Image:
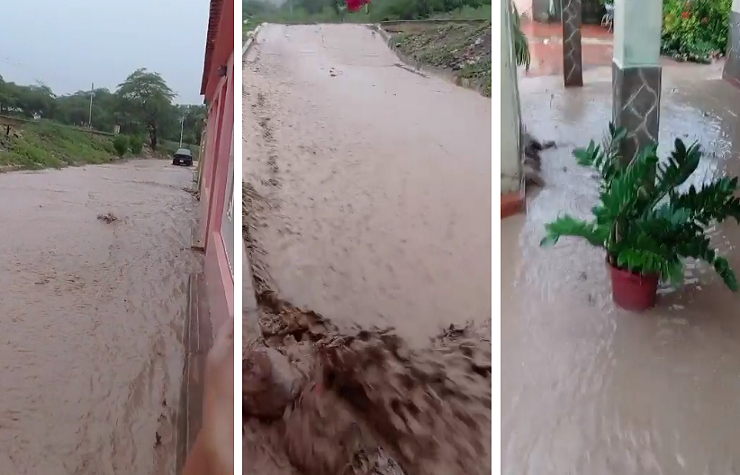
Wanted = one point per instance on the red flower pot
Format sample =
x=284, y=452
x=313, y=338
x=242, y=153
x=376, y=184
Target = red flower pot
x=631, y=291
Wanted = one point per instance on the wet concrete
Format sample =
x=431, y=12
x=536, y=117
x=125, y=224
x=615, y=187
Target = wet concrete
x=588, y=388
x=376, y=181
x=92, y=317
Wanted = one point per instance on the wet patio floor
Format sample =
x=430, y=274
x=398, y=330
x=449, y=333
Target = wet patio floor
x=588, y=388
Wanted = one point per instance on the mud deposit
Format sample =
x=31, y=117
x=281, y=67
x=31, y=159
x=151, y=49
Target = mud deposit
x=366, y=403
x=91, y=317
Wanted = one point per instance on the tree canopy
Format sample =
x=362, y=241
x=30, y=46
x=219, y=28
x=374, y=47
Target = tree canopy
x=142, y=105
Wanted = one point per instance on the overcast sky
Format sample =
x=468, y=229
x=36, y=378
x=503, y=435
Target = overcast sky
x=69, y=44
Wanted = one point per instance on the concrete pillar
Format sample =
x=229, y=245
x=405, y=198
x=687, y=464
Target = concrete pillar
x=572, y=55
x=512, y=198
x=636, y=72
x=731, y=71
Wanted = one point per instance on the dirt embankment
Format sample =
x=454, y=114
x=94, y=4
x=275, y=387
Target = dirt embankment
x=460, y=49
x=323, y=402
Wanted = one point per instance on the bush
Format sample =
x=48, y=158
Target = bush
x=120, y=143
x=137, y=144
x=646, y=220
x=695, y=30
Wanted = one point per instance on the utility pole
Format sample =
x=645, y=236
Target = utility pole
x=92, y=93
x=182, y=127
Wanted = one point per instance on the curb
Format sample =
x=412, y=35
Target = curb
x=250, y=40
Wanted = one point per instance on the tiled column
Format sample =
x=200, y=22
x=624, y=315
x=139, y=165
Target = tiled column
x=572, y=56
x=636, y=72
x=731, y=71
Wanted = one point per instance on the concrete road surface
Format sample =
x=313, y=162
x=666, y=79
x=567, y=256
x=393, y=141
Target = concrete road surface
x=376, y=178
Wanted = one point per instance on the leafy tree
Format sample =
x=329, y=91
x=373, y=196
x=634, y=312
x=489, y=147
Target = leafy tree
x=146, y=98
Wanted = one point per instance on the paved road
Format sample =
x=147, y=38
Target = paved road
x=378, y=181
x=91, y=317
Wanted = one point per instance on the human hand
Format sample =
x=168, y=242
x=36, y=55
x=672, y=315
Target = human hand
x=217, y=431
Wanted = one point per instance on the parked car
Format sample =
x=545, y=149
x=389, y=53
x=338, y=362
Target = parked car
x=183, y=157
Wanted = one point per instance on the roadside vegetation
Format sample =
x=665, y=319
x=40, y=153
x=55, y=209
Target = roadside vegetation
x=334, y=11
x=142, y=106
x=44, y=144
x=463, y=49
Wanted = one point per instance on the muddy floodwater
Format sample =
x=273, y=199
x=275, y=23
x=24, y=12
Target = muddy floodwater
x=369, y=203
x=375, y=181
x=91, y=317
x=586, y=387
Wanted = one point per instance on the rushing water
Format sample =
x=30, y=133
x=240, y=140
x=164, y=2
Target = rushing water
x=91, y=317
x=588, y=388
x=378, y=181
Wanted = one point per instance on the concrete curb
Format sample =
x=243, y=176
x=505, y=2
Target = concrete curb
x=250, y=40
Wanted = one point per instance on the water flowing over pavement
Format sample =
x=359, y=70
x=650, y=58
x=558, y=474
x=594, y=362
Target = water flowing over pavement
x=587, y=388
x=92, y=315
x=377, y=181
x=369, y=196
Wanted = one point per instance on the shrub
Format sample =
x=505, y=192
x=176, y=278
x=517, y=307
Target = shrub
x=137, y=144
x=646, y=220
x=695, y=30
x=120, y=143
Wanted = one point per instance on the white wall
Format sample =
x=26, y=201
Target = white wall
x=637, y=29
x=511, y=169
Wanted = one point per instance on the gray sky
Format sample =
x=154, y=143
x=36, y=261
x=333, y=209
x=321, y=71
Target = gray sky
x=68, y=44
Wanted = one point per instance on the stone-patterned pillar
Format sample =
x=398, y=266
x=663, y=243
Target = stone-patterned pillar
x=636, y=72
x=572, y=54
x=731, y=72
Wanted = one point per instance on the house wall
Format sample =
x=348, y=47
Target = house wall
x=511, y=175
x=219, y=276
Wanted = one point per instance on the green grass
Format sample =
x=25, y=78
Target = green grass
x=49, y=145
x=464, y=49
x=378, y=12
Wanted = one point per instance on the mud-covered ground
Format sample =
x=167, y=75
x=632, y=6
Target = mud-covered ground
x=367, y=200
x=94, y=263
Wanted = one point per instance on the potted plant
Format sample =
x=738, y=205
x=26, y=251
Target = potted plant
x=646, y=224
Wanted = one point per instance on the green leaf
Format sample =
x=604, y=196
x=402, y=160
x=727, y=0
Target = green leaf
x=569, y=226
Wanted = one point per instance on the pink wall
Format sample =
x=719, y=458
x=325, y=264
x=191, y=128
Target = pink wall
x=220, y=135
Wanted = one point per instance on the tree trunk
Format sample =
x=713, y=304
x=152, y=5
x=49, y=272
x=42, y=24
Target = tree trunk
x=152, y=136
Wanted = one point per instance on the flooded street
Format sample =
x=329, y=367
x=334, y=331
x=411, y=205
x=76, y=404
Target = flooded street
x=368, y=202
x=588, y=388
x=375, y=181
x=91, y=317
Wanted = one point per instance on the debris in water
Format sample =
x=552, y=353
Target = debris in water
x=158, y=439
x=108, y=218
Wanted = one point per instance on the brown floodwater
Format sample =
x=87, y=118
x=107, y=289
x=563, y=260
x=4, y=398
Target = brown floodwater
x=377, y=181
x=91, y=317
x=586, y=387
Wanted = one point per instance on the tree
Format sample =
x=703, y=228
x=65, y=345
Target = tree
x=147, y=99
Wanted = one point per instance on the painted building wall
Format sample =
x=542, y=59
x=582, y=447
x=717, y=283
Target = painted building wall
x=219, y=276
x=511, y=170
x=217, y=187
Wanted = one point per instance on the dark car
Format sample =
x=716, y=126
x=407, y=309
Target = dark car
x=183, y=157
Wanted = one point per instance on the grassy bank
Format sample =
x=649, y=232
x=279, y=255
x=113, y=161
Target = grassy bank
x=379, y=11
x=45, y=144
x=462, y=49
